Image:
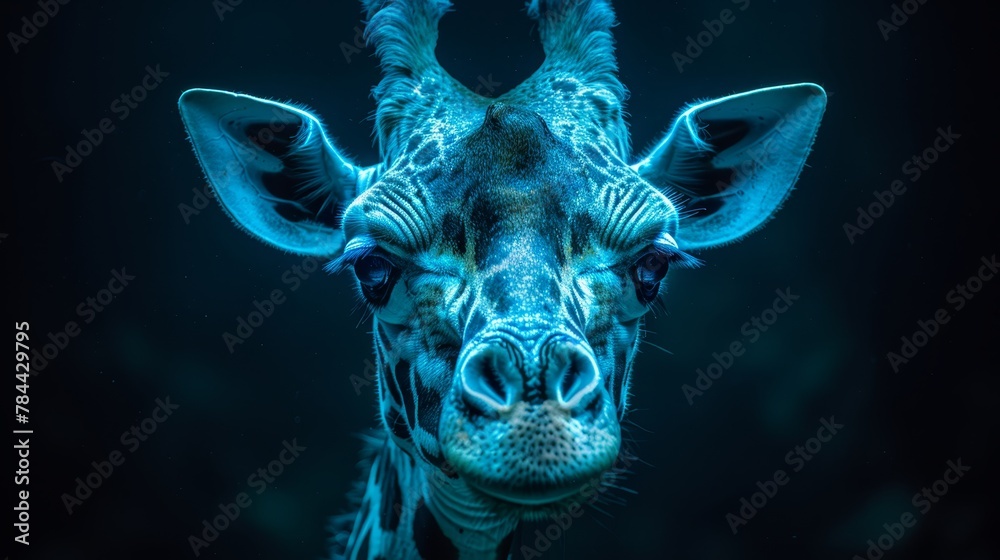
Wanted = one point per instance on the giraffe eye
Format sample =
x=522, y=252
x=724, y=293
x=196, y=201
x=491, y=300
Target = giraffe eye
x=376, y=275
x=647, y=273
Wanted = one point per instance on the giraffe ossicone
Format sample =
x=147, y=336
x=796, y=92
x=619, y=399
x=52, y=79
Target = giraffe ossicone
x=509, y=248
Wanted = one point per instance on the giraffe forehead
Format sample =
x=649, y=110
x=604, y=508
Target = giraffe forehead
x=468, y=186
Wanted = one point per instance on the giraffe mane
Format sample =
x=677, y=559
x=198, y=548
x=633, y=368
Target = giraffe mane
x=341, y=525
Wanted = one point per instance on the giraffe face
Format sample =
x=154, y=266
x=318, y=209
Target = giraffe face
x=508, y=271
x=508, y=251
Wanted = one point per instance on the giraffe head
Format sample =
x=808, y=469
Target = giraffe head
x=508, y=248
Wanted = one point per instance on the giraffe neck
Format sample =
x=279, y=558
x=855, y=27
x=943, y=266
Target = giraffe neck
x=411, y=513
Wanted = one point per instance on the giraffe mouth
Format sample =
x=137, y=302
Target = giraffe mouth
x=533, y=457
x=530, y=497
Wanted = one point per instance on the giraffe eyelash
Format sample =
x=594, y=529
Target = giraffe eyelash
x=666, y=246
x=672, y=256
x=354, y=251
x=678, y=258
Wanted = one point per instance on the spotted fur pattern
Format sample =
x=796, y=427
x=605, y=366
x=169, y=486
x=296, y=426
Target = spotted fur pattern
x=554, y=145
x=508, y=251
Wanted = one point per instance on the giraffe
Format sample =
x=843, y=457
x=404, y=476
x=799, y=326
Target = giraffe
x=508, y=249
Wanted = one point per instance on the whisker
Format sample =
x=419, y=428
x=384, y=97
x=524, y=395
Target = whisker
x=622, y=488
x=632, y=423
x=594, y=507
x=662, y=349
x=602, y=525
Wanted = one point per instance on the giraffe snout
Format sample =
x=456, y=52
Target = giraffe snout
x=497, y=374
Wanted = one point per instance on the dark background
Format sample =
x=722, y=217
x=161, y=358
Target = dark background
x=162, y=336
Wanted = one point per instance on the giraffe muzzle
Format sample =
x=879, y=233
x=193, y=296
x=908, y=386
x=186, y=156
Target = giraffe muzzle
x=496, y=374
x=530, y=416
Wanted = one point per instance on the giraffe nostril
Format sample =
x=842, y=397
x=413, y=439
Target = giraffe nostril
x=491, y=377
x=485, y=380
x=495, y=376
x=577, y=377
x=570, y=379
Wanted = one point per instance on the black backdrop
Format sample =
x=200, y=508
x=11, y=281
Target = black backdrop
x=161, y=336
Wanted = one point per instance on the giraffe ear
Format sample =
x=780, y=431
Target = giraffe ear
x=273, y=168
x=733, y=161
